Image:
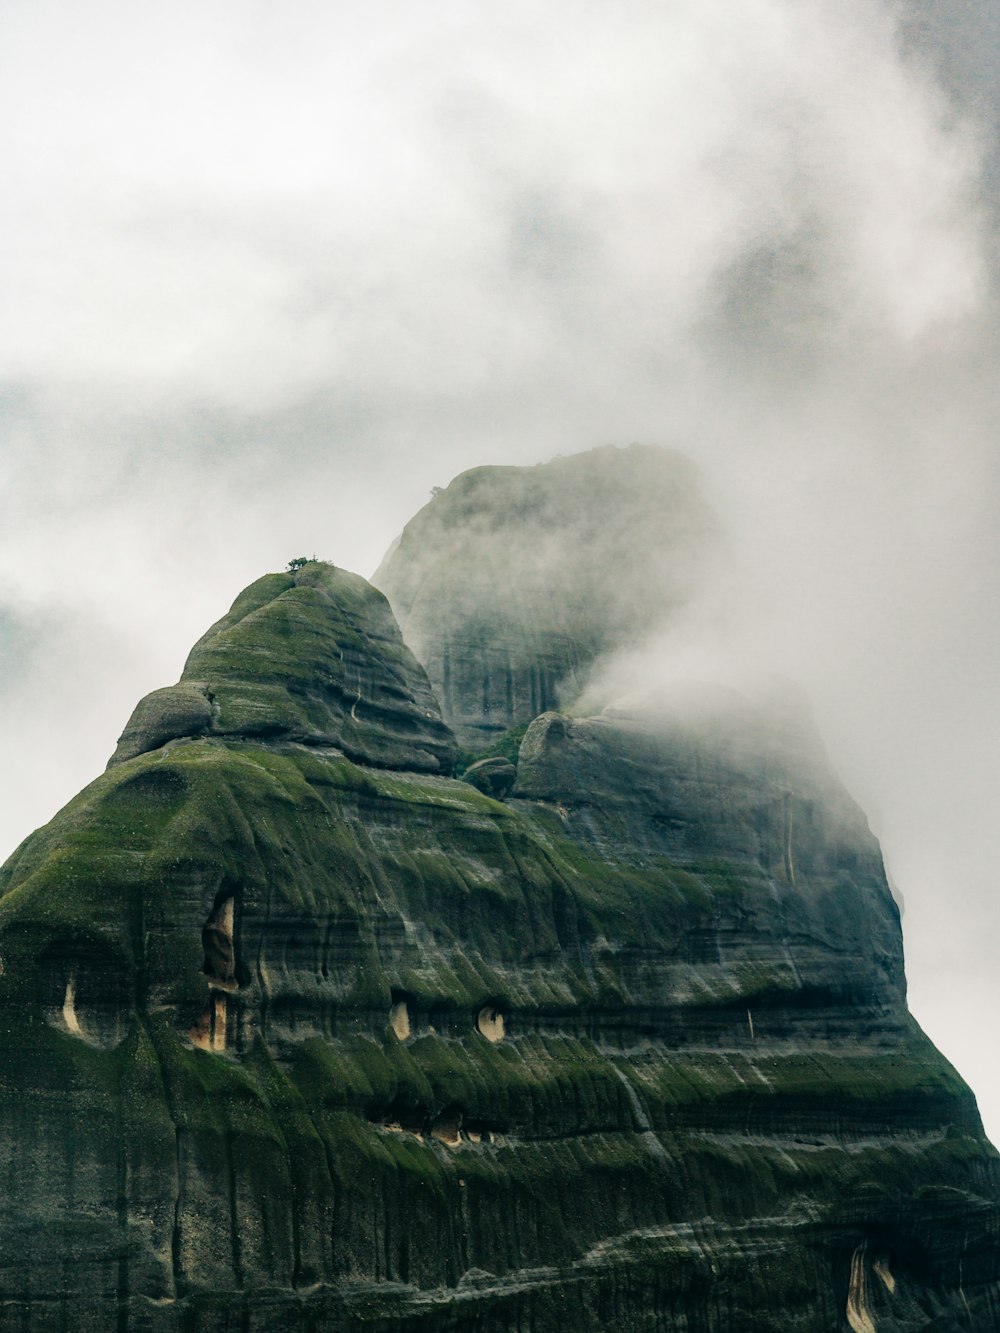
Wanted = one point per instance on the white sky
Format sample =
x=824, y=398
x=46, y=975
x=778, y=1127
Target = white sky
x=267, y=275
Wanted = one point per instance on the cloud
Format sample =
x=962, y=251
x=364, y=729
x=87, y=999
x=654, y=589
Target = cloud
x=267, y=209
x=270, y=275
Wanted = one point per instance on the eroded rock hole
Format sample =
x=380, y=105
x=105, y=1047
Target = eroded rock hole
x=880, y=1266
x=402, y=1013
x=490, y=1023
x=217, y=941
x=399, y=1019
x=447, y=1126
x=859, y=1316
x=85, y=992
x=403, y=1119
x=69, y=1008
x=476, y=1132
x=210, y=1031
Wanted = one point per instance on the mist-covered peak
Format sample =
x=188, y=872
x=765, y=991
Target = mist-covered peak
x=312, y=655
x=512, y=581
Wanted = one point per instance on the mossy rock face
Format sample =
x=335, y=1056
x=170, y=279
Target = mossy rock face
x=313, y=656
x=293, y=1041
x=176, y=710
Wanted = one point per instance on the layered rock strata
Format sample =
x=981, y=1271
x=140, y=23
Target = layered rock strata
x=297, y=1032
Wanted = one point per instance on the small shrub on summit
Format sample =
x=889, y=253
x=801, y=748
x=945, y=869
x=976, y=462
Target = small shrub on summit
x=297, y=563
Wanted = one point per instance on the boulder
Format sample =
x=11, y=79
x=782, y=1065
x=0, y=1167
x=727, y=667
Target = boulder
x=493, y=776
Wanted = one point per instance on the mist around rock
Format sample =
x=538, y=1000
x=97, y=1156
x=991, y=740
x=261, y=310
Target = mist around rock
x=605, y=1026
x=265, y=292
x=599, y=583
x=513, y=583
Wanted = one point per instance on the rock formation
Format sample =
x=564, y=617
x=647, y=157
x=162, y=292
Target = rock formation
x=302, y=658
x=298, y=1031
x=513, y=581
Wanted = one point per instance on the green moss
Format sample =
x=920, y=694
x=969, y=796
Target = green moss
x=412, y=789
x=506, y=746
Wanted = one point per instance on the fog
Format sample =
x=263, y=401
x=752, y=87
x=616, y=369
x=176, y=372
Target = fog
x=269, y=276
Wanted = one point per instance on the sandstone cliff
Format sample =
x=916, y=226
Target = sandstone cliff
x=299, y=1031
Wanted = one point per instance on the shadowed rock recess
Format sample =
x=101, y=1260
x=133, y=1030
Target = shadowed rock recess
x=297, y=1031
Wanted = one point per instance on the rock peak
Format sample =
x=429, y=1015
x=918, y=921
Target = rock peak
x=512, y=581
x=311, y=656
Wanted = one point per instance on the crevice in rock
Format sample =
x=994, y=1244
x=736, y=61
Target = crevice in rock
x=399, y=1018
x=85, y=992
x=234, y=1217
x=881, y=1267
x=858, y=1315
x=210, y=1032
x=217, y=940
x=450, y=1126
x=401, y=1118
x=69, y=1007
x=446, y=1127
x=491, y=1023
x=478, y=1132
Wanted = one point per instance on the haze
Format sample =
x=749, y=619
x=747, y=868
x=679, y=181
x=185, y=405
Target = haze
x=269, y=276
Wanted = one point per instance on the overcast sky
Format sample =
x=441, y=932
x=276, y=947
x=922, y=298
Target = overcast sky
x=267, y=274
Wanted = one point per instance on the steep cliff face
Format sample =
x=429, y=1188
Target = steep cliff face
x=297, y=1031
x=513, y=580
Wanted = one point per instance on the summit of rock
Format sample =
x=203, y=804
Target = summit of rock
x=312, y=656
x=512, y=581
